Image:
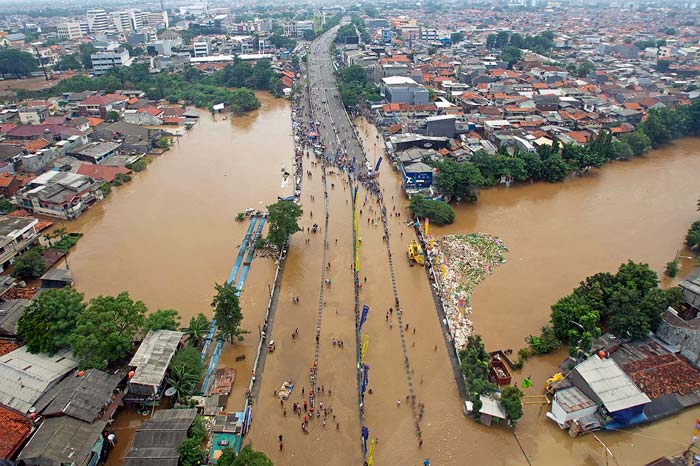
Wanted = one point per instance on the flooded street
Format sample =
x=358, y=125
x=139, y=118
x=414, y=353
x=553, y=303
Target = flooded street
x=167, y=236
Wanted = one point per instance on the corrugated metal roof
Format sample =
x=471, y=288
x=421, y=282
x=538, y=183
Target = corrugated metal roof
x=80, y=397
x=63, y=440
x=572, y=399
x=156, y=441
x=153, y=356
x=610, y=384
x=492, y=407
x=24, y=377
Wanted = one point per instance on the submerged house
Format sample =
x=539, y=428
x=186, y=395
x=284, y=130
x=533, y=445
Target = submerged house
x=151, y=362
x=597, y=393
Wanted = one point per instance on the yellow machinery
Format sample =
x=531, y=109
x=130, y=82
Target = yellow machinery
x=552, y=382
x=415, y=253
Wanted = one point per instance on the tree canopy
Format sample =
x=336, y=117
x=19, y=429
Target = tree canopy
x=283, y=219
x=227, y=311
x=458, y=180
x=474, y=367
x=50, y=320
x=629, y=304
x=246, y=457
x=162, y=319
x=16, y=62
x=30, y=264
x=184, y=372
x=197, y=330
x=511, y=399
x=439, y=213
x=105, y=330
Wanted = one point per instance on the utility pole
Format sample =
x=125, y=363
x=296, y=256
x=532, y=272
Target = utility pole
x=607, y=451
x=41, y=63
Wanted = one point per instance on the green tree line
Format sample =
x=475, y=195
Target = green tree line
x=629, y=304
x=190, y=87
x=354, y=88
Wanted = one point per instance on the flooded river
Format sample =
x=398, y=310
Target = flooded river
x=169, y=235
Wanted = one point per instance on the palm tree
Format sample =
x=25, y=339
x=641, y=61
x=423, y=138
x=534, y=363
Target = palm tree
x=183, y=380
x=60, y=233
x=197, y=330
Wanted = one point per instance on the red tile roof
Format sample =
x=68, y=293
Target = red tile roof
x=103, y=99
x=100, y=172
x=15, y=430
x=35, y=145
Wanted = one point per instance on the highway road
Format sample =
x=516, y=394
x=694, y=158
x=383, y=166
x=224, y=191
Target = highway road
x=334, y=127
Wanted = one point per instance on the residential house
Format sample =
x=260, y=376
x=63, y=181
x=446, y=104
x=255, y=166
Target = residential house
x=59, y=194
x=33, y=115
x=95, y=152
x=151, y=361
x=148, y=115
x=100, y=105
x=10, y=312
x=134, y=138
x=10, y=156
x=156, y=441
x=64, y=441
x=399, y=89
x=38, y=372
x=17, y=234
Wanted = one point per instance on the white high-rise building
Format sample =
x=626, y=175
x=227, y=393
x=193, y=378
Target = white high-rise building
x=139, y=19
x=201, y=48
x=122, y=21
x=98, y=21
x=103, y=61
x=70, y=30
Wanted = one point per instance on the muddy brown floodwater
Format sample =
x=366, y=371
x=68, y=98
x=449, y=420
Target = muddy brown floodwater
x=169, y=235
x=557, y=234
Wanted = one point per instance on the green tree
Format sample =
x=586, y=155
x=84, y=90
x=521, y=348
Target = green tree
x=16, y=62
x=50, y=319
x=105, y=330
x=197, y=330
x=163, y=143
x=184, y=372
x=511, y=399
x=439, y=213
x=456, y=37
x=283, y=219
x=112, y=116
x=191, y=453
x=474, y=367
x=227, y=311
x=546, y=342
x=162, y=319
x=638, y=141
x=86, y=50
x=692, y=239
x=511, y=55
x=458, y=180
x=30, y=264
x=584, y=68
x=242, y=100
x=621, y=150
x=6, y=206
x=68, y=62
x=246, y=457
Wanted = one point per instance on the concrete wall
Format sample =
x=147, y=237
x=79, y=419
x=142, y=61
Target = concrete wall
x=686, y=339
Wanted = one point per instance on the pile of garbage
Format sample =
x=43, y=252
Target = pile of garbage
x=460, y=262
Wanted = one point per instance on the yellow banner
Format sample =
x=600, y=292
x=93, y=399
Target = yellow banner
x=357, y=235
x=427, y=225
x=371, y=452
x=364, y=349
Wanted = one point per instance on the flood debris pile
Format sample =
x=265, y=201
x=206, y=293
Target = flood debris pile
x=460, y=263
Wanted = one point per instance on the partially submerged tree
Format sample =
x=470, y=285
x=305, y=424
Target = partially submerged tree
x=283, y=220
x=197, y=330
x=162, y=319
x=227, y=310
x=105, y=330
